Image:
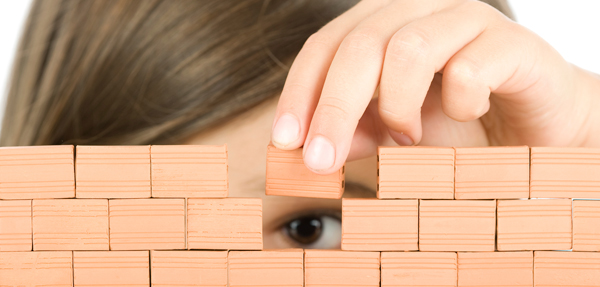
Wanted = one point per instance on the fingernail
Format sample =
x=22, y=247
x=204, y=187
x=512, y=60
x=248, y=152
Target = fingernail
x=401, y=138
x=320, y=154
x=286, y=131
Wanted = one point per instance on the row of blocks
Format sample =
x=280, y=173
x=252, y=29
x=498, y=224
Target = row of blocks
x=295, y=267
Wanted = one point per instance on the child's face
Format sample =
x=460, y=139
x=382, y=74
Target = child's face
x=287, y=221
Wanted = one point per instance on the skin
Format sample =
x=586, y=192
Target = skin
x=430, y=72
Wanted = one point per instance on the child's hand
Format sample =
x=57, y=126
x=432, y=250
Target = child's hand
x=454, y=52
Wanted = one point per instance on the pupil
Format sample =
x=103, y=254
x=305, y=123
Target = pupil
x=305, y=230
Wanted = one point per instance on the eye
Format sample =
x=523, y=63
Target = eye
x=314, y=231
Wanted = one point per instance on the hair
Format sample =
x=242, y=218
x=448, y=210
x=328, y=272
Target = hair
x=152, y=71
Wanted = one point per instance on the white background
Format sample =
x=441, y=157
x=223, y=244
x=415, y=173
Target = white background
x=572, y=27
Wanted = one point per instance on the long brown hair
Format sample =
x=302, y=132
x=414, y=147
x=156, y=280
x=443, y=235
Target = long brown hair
x=152, y=71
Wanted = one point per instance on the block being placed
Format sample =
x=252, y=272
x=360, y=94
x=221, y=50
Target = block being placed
x=222, y=224
x=15, y=225
x=189, y=171
x=495, y=269
x=537, y=224
x=418, y=269
x=188, y=268
x=565, y=172
x=559, y=268
x=144, y=224
x=341, y=268
x=113, y=172
x=32, y=172
x=287, y=175
x=33, y=269
x=111, y=268
x=380, y=225
x=415, y=172
x=70, y=224
x=586, y=225
x=266, y=268
x=457, y=225
x=492, y=172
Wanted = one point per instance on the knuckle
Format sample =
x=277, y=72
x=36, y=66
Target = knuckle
x=394, y=116
x=462, y=72
x=318, y=41
x=363, y=40
x=335, y=109
x=410, y=45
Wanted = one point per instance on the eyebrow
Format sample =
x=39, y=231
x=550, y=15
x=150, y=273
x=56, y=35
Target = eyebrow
x=357, y=190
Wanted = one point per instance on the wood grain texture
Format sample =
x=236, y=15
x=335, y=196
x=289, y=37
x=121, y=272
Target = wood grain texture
x=586, y=225
x=15, y=225
x=36, y=269
x=111, y=268
x=416, y=269
x=35, y=172
x=266, y=268
x=558, y=268
x=498, y=269
x=341, y=268
x=188, y=268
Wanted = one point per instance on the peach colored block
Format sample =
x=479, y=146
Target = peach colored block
x=457, y=225
x=415, y=172
x=560, y=268
x=418, y=269
x=36, y=269
x=111, y=268
x=15, y=225
x=113, y=172
x=70, y=224
x=188, y=268
x=380, y=225
x=143, y=224
x=227, y=223
x=492, y=172
x=266, y=268
x=189, y=171
x=560, y=172
x=341, y=268
x=495, y=269
x=32, y=172
x=287, y=175
x=586, y=225
x=537, y=224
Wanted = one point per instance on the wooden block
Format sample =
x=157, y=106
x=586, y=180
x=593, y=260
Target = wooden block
x=492, y=172
x=15, y=225
x=36, y=269
x=415, y=172
x=189, y=171
x=227, y=223
x=266, y=268
x=495, y=269
x=559, y=268
x=188, y=268
x=113, y=172
x=457, y=225
x=418, y=269
x=287, y=175
x=111, y=268
x=143, y=224
x=70, y=224
x=586, y=225
x=565, y=172
x=380, y=225
x=33, y=172
x=341, y=268
x=537, y=224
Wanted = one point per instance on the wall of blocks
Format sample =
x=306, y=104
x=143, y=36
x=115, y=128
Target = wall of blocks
x=160, y=216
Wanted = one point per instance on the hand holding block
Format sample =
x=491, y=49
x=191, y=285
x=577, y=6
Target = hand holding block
x=536, y=224
x=48, y=268
x=558, y=268
x=15, y=225
x=266, y=268
x=495, y=269
x=288, y=176
x=70, y=224
x=111, y=268
x=380, y=225
x=418, y=269
x=188, y=268
x=415, y=172
x=586, y=225
x=189, y=171
x=143, y=224
x=457, y=225
x=227, y=223
x=37, y=172
x=492, y=172
x=113, y=172
x=341, y=268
